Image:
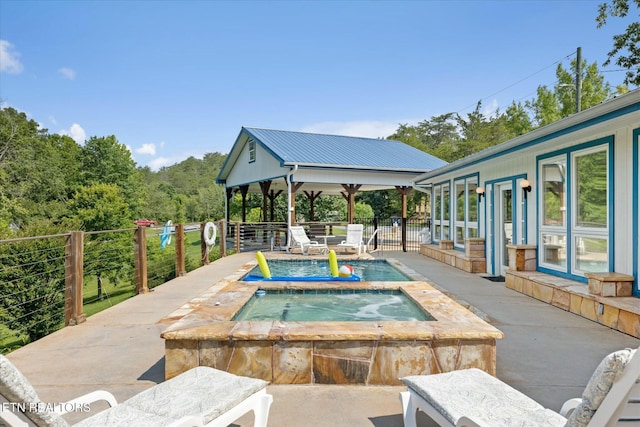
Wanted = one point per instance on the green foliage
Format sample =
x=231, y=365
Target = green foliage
x=100, y=207
x=626, y=46
x=33, y=283
x=553, y=105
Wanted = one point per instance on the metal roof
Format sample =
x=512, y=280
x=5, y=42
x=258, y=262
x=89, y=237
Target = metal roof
x=312, y=149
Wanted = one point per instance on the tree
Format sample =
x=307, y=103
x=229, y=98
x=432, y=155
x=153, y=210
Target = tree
x=517, y=120
x=102, y=207
x=107, y=161
x=626, y=46
x=32, y=302
x=553, y=105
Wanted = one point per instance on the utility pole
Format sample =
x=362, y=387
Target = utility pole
x=578, y=78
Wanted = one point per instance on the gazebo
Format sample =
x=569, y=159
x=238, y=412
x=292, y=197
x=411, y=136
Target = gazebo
x=271, y=162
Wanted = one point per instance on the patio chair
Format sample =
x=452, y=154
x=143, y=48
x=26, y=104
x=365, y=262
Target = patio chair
x=354, y=239
x=473, y=398
x=299, y=239
x=202, y=396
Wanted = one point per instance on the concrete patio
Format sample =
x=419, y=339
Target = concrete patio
x=547, y=353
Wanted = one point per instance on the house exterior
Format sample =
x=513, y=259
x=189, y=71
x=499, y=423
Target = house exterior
x=566, y=192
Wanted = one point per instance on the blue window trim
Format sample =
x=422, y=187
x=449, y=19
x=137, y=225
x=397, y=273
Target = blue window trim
x=567, y=152
x=436, y=238
x=464, y=179
x=514, y=187
x=636, y=208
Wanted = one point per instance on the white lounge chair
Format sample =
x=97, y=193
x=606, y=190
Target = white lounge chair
x=201, y=396
x=473, y=398
x=354, y=239
x=298, y=238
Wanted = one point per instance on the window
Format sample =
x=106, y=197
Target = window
x=554, y=210
x=459, y=211
x=590, y=225
x=252, y=150
x=446, y=214
x=575, y=210
x=441, y=212
x=437, y=212
x=466, y=210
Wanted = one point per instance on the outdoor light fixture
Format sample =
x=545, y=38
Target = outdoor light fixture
x=526, y=187
x=480, y=193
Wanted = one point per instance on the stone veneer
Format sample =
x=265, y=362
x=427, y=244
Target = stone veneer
x=610, y=284
x=472, y=260
x=368, y=352
x=523, y=257
x=620, y=313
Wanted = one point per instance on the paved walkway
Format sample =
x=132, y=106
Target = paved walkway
x=547, y=353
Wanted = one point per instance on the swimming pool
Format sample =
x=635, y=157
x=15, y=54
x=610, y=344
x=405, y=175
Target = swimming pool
x=373, y=270
x=367, y=352
x=331, y=305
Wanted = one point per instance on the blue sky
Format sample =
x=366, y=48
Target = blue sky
x=173, y=79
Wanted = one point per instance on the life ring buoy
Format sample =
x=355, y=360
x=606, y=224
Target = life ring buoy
x=209, y=234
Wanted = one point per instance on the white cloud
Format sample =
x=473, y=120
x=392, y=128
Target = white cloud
x=159, y=162
x=491, y=109
x=149, y=149
x=76, y=133
x=67, y=73
x=9, y=62
x=364, y=128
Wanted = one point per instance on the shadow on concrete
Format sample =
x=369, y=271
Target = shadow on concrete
x=155, y=373
x=422, y=420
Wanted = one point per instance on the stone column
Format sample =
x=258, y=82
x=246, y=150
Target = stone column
x=522, y=257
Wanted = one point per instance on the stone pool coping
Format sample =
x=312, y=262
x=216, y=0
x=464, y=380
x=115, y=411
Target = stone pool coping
x=210, y=318
x=202, y=332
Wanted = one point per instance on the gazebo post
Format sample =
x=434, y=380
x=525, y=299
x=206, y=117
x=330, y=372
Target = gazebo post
x=404, y=191
x=264, y=186
x=312, y=200
x=243, y=190
x=351, y=190
x=272, y=198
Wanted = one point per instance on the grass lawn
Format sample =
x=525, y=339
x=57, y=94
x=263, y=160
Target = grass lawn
x=113, y=294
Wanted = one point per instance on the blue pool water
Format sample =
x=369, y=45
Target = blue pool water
x=331, y=305
x=375, y=270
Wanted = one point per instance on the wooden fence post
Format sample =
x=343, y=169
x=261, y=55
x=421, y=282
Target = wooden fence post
x=237, y=237
x=73, y=314
x=140, y=255
x=222, y=232
x=180, y=270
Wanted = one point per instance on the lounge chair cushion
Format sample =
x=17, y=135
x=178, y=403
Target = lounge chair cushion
x=598, y=386
x=475, y=394
x=17, y=389
x=191, y=393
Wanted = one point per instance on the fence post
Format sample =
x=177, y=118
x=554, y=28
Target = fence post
x=222, y=232
x=73, y=314
x=375, y=227
x=180, y=270
x=140, y=255
x=404, y=234
x=237, y=237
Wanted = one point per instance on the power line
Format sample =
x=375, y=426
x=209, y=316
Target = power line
x=517, y=82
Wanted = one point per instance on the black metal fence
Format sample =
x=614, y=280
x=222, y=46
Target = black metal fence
x=380, y=234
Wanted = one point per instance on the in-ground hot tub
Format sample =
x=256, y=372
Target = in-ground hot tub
x=372, y=352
